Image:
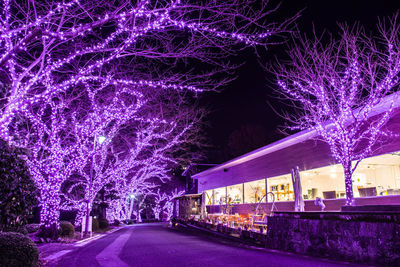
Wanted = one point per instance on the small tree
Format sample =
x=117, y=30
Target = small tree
x=18, y=194
x=169, y=204
x=339, y=87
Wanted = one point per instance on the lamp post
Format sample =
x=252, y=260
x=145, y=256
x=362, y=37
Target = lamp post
x=101, y=140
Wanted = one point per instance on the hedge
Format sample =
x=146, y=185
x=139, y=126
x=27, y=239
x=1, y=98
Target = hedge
x=67, y=229
x=17, y=250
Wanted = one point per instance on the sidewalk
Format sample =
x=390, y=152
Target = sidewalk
x=51, y=251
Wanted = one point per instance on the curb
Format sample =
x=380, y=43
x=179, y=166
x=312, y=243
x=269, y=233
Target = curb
x=88, y=240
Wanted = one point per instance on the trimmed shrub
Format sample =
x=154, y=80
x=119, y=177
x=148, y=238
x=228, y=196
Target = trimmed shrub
x=48, y=233
x=67, y=229
x=95, y=225
x=16, y=229
x=17, y=250
x=32, y=228
x=103, y=223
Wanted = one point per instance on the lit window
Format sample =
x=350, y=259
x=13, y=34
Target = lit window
x=282, y=188
x=326, y=183
x=220, y=196
x=235, y=194
x=377, y=176
x=209, y=197
x=254, y=192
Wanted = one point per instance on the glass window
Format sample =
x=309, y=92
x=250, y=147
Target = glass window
x=235, y=194
x=377, y=176
x=254, y=191
x=220, y=196
x=209, y=197
x=282, y=188
x=326, y=183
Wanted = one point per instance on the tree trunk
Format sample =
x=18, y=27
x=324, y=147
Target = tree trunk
x=50, y=213
x=348, y=184
x=87, y=215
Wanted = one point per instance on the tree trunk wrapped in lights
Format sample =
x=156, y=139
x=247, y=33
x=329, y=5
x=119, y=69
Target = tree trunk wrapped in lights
x=342, y=89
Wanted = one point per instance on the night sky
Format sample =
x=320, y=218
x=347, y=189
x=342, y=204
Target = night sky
x=245, y=100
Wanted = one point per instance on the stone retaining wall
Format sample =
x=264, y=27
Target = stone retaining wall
x=365, y=237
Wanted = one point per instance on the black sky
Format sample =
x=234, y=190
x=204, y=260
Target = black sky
x=244, y=101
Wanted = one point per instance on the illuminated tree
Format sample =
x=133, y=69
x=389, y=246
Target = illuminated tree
x=51, y=157
x=169, y=204
x=341, y=90
x=52, y=48
x=97, y=121
x=48, y=47
x=139, y=145
x=146, y=166
x=159, y=199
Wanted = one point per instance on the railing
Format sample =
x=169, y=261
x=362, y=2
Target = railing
x=261, y=199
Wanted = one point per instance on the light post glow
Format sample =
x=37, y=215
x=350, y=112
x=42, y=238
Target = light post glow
x=101, y=139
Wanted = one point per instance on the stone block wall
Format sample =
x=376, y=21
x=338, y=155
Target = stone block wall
x=372, y=238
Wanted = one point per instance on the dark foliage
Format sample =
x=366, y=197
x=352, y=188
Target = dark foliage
x=17, y=250
x=16, y=229
x=18, y=193
x=67, y=229
x=128, y=221
x=68, y=215
x=48, y=233
x=32, y=228
x=103, y=223
x=95, y=225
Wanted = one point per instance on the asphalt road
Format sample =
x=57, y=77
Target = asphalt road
x=158, y=245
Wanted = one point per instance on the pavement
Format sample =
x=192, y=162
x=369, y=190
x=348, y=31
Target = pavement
x=158, y=245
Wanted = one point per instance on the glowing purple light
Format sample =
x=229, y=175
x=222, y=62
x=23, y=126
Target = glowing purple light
x=47, y=54
x=340, y=87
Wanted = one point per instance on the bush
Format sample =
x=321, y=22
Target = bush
x=67, y=229
x=32, y=228
x=95, y=224
x=116, y=222
x=17, y=250
x=18, y=193
x=103, y=223
x=48, y=233
x=128, y=221
x=16, y=229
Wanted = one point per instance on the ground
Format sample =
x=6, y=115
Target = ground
x=158, y=245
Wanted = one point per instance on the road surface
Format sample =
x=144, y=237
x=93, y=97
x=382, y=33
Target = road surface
x=158, y=245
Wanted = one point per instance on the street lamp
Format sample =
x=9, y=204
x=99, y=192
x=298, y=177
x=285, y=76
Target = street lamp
x=101, y=140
